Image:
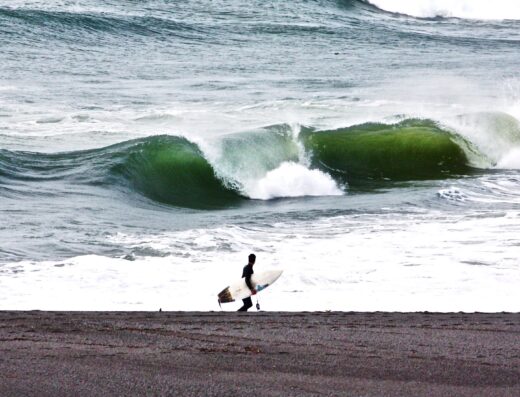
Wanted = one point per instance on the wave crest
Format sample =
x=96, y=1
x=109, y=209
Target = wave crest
x=466, y=9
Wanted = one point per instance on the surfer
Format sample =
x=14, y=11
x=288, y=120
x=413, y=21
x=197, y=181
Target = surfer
x=247, y=273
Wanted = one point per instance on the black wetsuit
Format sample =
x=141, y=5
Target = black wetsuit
x=247, y=273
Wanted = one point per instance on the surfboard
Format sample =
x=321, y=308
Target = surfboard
x=239, y=290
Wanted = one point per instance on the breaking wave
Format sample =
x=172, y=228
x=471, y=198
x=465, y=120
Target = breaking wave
x=274, y=162
x=467, y=9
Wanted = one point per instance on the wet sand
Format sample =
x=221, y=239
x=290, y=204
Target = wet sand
x=258, y=354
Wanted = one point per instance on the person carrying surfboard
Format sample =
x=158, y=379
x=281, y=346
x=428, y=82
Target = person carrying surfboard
x=247, y=273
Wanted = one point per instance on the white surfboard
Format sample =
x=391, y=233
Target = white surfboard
x=239, y=289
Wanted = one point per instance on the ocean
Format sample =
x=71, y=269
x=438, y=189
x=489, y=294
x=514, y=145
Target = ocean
x=369, y=149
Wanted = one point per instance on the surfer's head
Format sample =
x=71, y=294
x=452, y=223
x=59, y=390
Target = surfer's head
x=252, y=258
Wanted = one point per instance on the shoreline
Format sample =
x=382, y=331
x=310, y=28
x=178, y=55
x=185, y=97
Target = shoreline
x=264, y=353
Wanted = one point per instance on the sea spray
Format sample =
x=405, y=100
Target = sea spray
x=511, y=160
x=471, y=9
x=492, y=135
x=294, y=180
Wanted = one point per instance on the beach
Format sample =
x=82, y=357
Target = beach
x=259, y=353
x=366, y=150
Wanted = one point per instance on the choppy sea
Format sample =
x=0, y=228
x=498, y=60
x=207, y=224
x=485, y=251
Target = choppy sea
x=370, y=149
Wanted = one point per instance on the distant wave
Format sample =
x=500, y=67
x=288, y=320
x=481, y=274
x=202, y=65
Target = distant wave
x=68, y=25
x=467, y=9
x=270, y=163
x=338, y=18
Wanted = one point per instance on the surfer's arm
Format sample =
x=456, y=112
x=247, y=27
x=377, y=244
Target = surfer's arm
x=248, y=283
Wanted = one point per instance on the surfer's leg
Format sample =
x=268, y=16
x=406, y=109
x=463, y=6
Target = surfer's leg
x=247, y=304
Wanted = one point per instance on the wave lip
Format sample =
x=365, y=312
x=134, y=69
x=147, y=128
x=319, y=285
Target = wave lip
x=465, y=9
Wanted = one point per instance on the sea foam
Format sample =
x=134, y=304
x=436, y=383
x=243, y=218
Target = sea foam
x=467, y=9
x=293, y=180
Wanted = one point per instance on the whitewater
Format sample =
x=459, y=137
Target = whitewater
x=369, y=149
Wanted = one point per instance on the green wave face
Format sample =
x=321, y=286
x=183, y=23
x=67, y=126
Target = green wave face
x=412, y=149
x=173, y=170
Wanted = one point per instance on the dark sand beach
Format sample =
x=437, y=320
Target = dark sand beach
x=260, y=354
